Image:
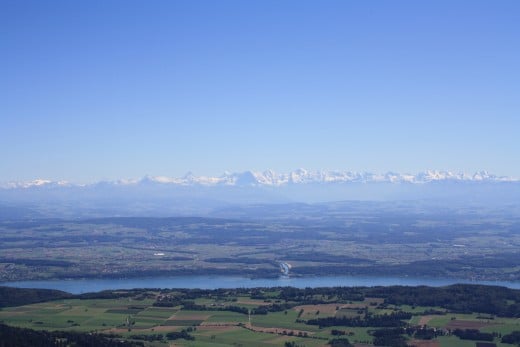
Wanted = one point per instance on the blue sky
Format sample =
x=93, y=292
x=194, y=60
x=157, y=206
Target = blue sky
x=93, y=90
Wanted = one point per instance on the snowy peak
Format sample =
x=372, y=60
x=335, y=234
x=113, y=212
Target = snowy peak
x=37, y=183
x=271, y=178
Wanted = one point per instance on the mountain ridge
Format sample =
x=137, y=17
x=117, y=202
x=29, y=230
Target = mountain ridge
x=273, y=179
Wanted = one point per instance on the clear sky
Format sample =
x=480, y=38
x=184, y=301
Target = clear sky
x=93, y=90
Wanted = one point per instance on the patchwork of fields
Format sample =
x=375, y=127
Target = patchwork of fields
x=260, y=317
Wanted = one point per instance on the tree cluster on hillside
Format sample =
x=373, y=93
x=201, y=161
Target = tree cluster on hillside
x=192, y=306
x=16, y=337
x=23, y=296
x=394, y=319
x=473, y=334
x=176, y=335
x=339, y=342
x=389, y=337
x=512, y=338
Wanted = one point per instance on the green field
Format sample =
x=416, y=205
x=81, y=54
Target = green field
x=267, y=317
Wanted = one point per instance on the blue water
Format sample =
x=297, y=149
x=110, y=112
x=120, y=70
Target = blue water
x=79, y=286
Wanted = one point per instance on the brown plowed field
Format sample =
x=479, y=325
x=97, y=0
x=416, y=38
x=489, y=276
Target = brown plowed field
x=424, y=343
x=425, y=320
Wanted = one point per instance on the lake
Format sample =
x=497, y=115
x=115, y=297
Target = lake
x=78, y=286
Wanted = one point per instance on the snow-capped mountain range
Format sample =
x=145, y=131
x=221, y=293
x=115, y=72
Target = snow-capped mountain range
x=273, y=179
x=193, y=195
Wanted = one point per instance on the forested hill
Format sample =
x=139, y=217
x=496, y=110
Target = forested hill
x=16, y=337
x=24, y=296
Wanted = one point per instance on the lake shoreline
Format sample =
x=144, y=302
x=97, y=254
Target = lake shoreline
x=78, y=286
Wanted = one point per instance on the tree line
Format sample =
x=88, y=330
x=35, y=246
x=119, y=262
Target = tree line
x=15, y=337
